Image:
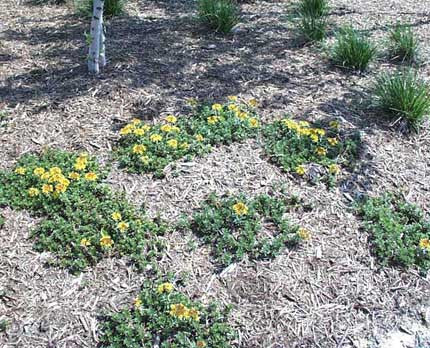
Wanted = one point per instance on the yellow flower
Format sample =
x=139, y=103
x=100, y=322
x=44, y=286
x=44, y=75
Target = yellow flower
x=253, y=122
x=314, y=138
x=145, y=160
x=33, y=192
x=290, y=124
x=136, y=121
x=175, y=129
x=106, y=241
x=304, y=124
x=185, y=146
x=425, y=244
x=74, y=176
x=146, y=127
x=321, y=151
x=137, y=302
x=55, y=171
x=253, y=102
x=240, y=208
x=85, y=242
x=332, y=141
x=127, y=129
x=81, y=163
x=166, y=128
x=139, y=149
x=139, y=131
x=173, y=143
x=303, y=233
x=171, y=119
x=91, y=176
x=199, y=137
x=165, y=287
x=20, y=170
x=122, y=226
x=200, y=344
x=194, y=314
x=47, y=188
x=116, y=216
x=213, y=119
x=232, y=98
x=320, y=131
x=60, y=188
x=242, y=115
x=156, y=138
x=39, y=171
x=45, y=176
x=301, y=170
x=178, y=310
x=334, y=124
x=217, y=107
x=334, y=169
x=233, y=107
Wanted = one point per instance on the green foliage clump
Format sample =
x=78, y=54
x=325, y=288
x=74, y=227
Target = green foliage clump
x=233, y=226
x=403, y=95
x=219, y=15
x=84, y=221
x=147, y=148
x=111, y=7
x=297, y=146
x=400, y=233
x=313, y=19
x=161, y=314
x=352, y=50
x=404, y=44
x=48, y=2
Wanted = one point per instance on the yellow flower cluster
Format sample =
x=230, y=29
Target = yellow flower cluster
x=425, y=244
x=135, y=127
x=137, y=302
x=240, y=208
x=181, y=311
x=302, y=128
x=122, y=225
x=81, y=162
x=165, y=287
x=106, y=241
x=238, y=112
x=303, y=233
x=54, y=181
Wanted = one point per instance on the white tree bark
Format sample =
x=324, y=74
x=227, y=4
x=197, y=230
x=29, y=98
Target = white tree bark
x=102, y=59
x=95, y=59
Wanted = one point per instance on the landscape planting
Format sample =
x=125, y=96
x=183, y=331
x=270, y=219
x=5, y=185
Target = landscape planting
x=214, y=174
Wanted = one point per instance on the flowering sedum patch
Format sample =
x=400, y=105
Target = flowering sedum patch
x=145, y=148
x=298, y=147
x=84, y=221
x=399, y=230
x=167, y=318
x=233, y=226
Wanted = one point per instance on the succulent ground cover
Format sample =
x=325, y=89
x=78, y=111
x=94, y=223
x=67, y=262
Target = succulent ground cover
x=332, y=291
x=83, y=220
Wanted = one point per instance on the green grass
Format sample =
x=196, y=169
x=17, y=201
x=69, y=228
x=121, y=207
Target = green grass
x=311, y=16
x=403, y=44
x=403, y=95
x=232, y=226
x=219, y=15
x=160, y=313
x=399, y=231
x=83, y=220
x=352, y=50
x=111, y=7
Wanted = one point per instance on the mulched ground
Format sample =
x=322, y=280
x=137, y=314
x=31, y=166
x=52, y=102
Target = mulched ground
x=328, y=293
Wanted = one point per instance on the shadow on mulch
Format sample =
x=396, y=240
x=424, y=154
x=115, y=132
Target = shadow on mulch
x=174, y=54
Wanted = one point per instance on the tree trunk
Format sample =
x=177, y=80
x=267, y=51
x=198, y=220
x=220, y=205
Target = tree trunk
x=97, y=38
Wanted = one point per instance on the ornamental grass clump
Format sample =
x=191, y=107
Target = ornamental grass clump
x=83, y=221
x=145, y=148
x=312, y=15
x=310, y=151
x=403, y=96
x=219, y=15
x=233, y=227
x=352, y=50
x=403, y=44
x=111, y=8
x=163, y=315
x=400, y=232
